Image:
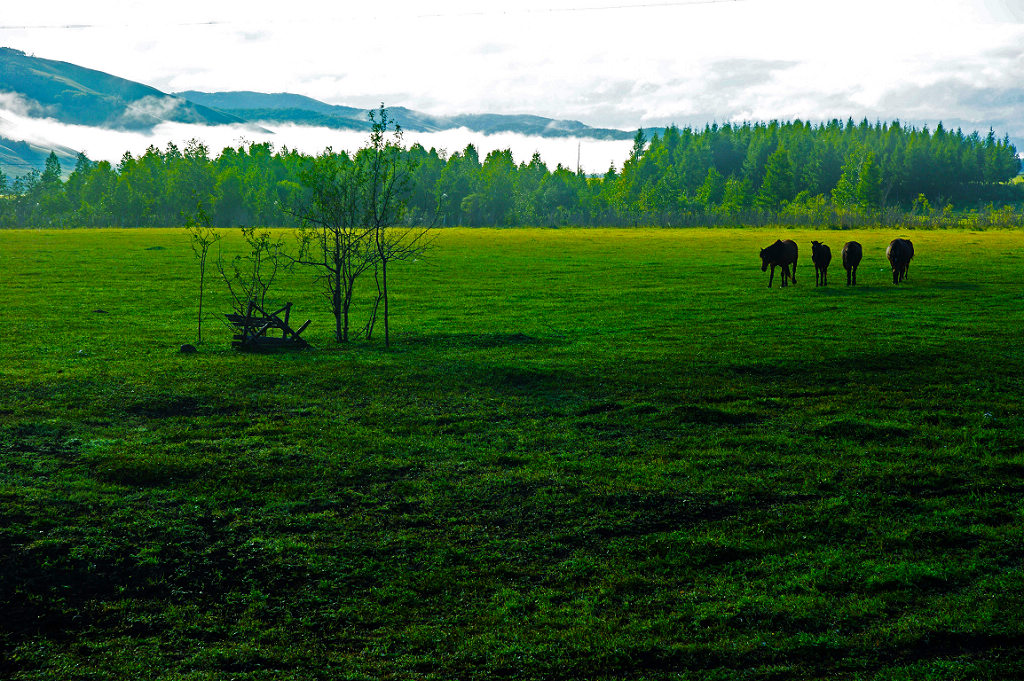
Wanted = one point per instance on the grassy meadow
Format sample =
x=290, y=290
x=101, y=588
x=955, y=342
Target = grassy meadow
x=589, y=454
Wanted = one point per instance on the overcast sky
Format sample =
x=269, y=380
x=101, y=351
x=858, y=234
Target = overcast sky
x=608, y=63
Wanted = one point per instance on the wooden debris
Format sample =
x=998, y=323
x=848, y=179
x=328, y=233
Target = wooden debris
x=254, y=325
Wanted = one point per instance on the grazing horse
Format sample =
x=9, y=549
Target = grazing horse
x=899, y=253
x=780, y=253
x=821, y=256
x=852, y=254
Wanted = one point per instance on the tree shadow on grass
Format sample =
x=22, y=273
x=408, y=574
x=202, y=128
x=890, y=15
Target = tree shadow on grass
x=955, y=285
x=482, y=341
x=819, y=371
x=840, y=289
x=170, y=405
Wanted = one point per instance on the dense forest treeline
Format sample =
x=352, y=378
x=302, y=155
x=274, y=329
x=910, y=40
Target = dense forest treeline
x=830, y=174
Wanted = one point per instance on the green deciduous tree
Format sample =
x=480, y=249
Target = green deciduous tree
x=737, y=195
x=459, y=178
x=844, y=195
x=497, y=188
x=6, y=202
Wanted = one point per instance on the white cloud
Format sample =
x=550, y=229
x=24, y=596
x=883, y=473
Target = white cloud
x=624, y=67
x=17, y=104
x=150, y=108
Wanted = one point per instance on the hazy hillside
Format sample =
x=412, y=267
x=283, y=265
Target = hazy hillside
x=18, y=158
x=277, y=101
x=73, y=94
x=292, y=108
x=70, y=94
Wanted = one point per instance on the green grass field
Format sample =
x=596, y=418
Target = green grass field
x=590, y=454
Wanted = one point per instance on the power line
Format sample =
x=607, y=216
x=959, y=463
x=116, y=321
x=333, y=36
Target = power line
x=75, y=27
x=589, y=8
x=437, y=15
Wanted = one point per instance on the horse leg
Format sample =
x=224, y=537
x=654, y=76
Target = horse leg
x=785, y=273
x=771, y=276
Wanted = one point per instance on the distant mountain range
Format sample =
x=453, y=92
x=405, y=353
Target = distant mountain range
x=284, y=107
x=71, y=94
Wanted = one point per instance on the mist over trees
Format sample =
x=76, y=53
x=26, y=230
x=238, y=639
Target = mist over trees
x=832, y=173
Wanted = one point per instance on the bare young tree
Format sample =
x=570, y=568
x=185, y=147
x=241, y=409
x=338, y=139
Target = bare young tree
x=349, y=216
x=387, y=174
x=201, y=236
x=249, y=277
x=333, y=236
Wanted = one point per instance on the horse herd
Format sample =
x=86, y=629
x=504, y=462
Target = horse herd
x=784, y=253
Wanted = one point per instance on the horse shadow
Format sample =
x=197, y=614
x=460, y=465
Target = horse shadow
x=955, y=285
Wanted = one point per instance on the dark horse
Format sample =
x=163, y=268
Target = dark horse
x=852, y=254
x=780, y=253
x=821, y=256
x=899, y=253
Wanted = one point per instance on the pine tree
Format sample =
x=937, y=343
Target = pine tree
x=845, y=193
x=52, y=171
x=778, y=181
x=736, y=195
x=711, y=191
x=639, y=142
x=869, y=183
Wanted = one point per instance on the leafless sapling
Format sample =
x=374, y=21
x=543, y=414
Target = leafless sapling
x=201, y=236
x=249, y=277
x=387, y=171
x=333, y=235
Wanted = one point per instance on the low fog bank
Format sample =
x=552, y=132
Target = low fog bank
x=17, y=123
